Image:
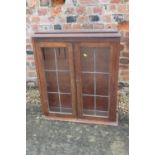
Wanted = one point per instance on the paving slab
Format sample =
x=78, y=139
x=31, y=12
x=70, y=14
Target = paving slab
x=48, y=137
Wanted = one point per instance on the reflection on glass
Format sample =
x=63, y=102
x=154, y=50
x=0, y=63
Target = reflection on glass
x=57, y=74
x=95, y=83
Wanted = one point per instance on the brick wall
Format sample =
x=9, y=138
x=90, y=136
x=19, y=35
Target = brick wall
x=78, y=14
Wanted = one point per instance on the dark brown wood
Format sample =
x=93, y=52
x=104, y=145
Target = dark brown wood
x=114, y=80
x=87, y=87
x=77, y=74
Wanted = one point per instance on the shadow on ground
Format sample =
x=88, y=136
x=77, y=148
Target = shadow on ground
x=46, y=137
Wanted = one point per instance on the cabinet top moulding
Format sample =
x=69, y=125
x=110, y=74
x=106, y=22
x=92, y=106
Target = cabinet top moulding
x=106, y=33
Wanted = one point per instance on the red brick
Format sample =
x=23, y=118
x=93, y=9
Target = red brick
x=62, y=19
x=67, y=26
x=27, y=64
x=122, y=46
x=45, y=20
x=28, y=20
x=124, y=78
x=57, y=2
x=126, y=17
x=124, y=31
x=97, y=10
x=122, y=9
x=80, y=10
x=125, y=54
x=124, y=72
x=127, y=33
x=87, y=26
x=55, y=10
x=123, y=66
x=104, y=1
x=98, y=26
x=28, y=47
x=30, y=58
x=107, y=18
x=82, y=19
x=28, y=11
x=76, y=26
x=32, y=66
x=124, y=61
x=28, y=28
x=44, y=2
x=70, y=10
x=125, y=40
x=31, y=3
x=110, y=26
x=89, y=2
x=35, y=19
x=31, y=74
x=127, y=45
x=28, y=35
x=51, y=19
x=28, y=40
x=112, y=8
x=126, y=48
x=35, y=28
x=115, y=1
x=42, y=11
x=89, y=10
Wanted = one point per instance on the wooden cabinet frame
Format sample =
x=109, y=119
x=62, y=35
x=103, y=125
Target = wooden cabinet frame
x=41, y=73
x=113, y=70
x=73, y=41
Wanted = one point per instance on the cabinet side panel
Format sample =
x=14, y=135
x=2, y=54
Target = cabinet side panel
x=114, y=65
x=38, y=64
x=72, y=78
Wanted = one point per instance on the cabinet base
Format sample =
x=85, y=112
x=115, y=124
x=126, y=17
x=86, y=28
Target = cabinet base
x=81, y=120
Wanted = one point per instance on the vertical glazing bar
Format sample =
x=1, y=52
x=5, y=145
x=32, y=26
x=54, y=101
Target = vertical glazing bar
x=43, y=51
x=109, y=77
x=94, y=81
x=56, y=65
x=65, y=53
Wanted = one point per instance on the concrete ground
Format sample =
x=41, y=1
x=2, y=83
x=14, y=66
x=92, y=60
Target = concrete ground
x=46, y=137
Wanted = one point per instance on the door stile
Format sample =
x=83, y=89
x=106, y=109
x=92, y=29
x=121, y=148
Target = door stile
x=114, y=65
x=78, y=81
x=41, y=75
x=72, y=76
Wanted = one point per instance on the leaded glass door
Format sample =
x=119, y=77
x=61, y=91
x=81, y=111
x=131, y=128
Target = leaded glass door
x=94, y=79
x=57, y=74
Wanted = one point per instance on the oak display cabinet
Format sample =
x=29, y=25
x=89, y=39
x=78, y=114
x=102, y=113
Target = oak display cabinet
x=78, y=74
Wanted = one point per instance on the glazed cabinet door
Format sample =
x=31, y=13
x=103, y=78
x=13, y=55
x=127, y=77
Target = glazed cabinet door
x=96, y=80
x=56, y=74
